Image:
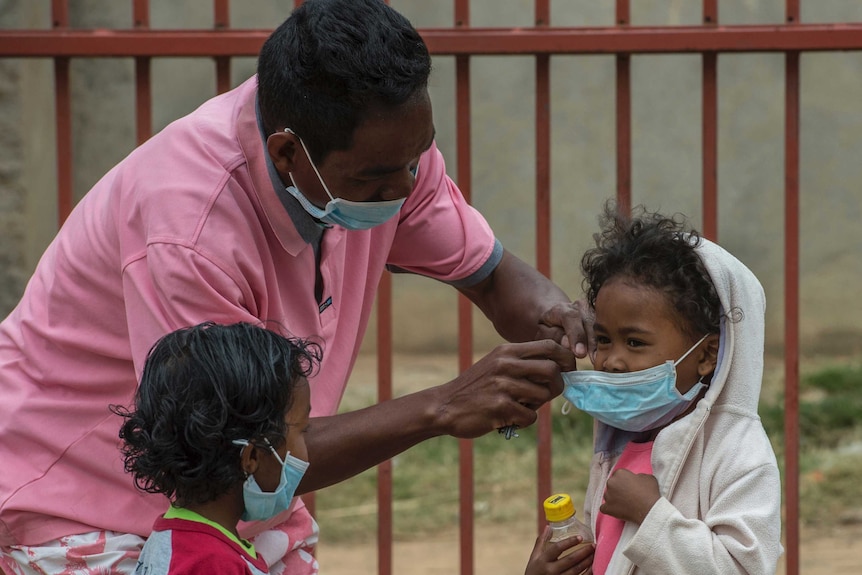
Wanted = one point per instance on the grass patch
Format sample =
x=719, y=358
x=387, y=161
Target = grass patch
x=425, y=478
x=828, y=482
x=830, y=408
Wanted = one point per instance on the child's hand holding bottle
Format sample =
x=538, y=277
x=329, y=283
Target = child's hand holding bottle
x=566, y=545
x=558, y=558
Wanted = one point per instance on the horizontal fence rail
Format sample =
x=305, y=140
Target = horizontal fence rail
x=462, y=41
x=449, y=42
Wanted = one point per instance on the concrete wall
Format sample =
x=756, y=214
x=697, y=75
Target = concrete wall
x=666, y=155
x=14, y=268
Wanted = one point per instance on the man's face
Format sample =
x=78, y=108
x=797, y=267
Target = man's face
x=382, y=161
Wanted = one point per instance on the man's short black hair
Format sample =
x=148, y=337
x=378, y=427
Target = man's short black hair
x=203, y=387
x=331, y=62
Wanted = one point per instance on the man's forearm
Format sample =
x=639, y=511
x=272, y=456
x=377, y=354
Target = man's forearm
x=503, y=388
x=514, y=297
x=341, y=446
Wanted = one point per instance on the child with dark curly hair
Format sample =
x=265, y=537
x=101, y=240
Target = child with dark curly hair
x=683, y=477
x=218, y=427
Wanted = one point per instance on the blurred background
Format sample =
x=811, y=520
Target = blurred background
x=666, y=146
x=666, y=96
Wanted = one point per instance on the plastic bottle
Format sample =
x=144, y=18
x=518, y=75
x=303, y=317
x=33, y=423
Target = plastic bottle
x=560, y=513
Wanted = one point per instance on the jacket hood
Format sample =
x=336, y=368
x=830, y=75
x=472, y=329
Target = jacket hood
x=738, y=372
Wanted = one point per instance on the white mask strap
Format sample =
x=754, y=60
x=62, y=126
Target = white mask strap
x=245, y=443
x=274, y=452
x=691, y=349
x=310, y=161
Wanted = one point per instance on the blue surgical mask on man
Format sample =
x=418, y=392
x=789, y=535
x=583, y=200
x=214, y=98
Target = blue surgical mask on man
x=261, y=505
x=345, y=213
x=634, y=401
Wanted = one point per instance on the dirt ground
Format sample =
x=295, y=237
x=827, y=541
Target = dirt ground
x=504, y=549
x=500, y=551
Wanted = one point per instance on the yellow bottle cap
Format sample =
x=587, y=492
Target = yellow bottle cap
x=559, y=507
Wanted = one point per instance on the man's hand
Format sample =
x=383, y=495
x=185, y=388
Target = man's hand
x=630, y=497
x=505, y=387
x=570, y=324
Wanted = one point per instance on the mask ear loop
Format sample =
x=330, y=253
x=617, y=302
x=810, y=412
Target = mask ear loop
x=244, y=443
x=274, y=452
x=310, y=161
x=691, y=349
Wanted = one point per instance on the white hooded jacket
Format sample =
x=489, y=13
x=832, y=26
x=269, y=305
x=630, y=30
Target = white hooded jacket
x=720, y=506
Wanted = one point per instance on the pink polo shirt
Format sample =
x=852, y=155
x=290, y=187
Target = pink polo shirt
x=187, y=228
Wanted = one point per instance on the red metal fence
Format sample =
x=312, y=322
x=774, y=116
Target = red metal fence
x=62, y=43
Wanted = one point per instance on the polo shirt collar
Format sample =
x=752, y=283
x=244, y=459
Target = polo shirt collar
x=309, y=228
x=291, y=224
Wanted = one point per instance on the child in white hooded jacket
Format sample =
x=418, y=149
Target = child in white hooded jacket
x=683, y=477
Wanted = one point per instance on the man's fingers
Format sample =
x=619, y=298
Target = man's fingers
x=506, y=387
x=572, y=322
x=523, y=416
x=591, y=344
x=552, y=332
x=530, y=372
x=541, y=349
x=579, y=329
x=534, y=384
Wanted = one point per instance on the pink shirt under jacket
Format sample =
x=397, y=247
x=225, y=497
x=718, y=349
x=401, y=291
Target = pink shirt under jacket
x=187, y=228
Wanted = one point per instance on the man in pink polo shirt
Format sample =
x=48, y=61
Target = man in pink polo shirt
x=282, y=200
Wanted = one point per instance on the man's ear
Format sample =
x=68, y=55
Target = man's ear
x=249, y=459
x=708, y=355
x=284, y=149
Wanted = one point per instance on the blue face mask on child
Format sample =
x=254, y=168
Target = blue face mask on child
x=261, y=505
x=345, y=213
x=633, y=401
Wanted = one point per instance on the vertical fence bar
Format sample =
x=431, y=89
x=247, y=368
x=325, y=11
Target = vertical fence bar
x=143, y=92
x=466, y=487
x=221, y=12
x=543, y=237
x=791, y=300
x=624, y=117
x=63, y=110
x=384, y=393
x=710, y=129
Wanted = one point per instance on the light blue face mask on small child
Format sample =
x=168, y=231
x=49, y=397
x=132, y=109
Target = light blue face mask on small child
x=634, y=401
x=261, y=505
